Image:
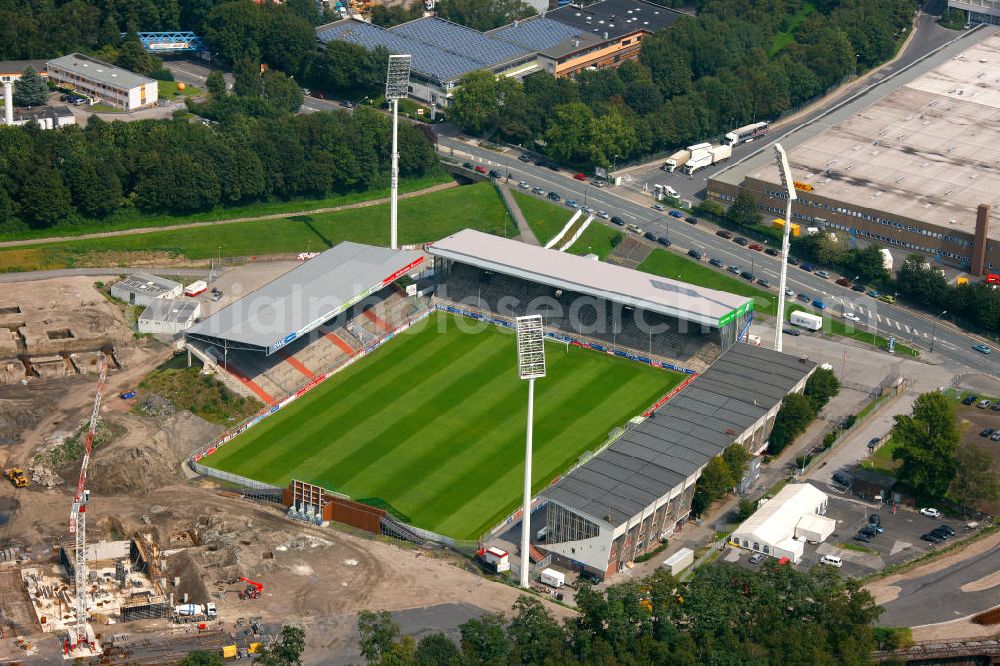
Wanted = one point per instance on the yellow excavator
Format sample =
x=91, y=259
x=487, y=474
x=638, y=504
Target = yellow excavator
x=16, y=476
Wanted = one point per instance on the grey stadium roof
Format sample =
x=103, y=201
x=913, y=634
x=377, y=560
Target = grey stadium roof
x=304, y=297
x=171, y=310
x=459, y=39
x=616, y=17
x=584, y=276
x=697, y=424
x=98, y=70
x=546, y=35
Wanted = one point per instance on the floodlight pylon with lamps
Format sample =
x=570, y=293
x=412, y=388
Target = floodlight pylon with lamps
x=785, y=173
x=397, y=82
x=530, y=366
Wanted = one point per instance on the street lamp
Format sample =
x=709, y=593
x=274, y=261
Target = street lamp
x=786, y=180
x=397, y=82
x=530, y=366
x=934, y=329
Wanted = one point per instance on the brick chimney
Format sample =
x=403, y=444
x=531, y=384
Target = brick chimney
x=979, y=240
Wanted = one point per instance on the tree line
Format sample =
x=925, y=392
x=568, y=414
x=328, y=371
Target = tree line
x=725, y=615
x=255, y=152
x=736, y=62
x=977, y=304
x=799, y=409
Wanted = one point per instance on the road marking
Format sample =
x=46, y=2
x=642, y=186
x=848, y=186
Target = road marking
x=879, y=318
x=907, y=328
x=898, y=327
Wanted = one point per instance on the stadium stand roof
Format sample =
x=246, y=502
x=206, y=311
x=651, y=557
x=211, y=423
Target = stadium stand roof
x=545, y=35
x=616, y=17
x=304, y=297
x=681, y=436
x=578, y=274
x=442, y=51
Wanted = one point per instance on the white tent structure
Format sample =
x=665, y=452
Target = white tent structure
x=782, y=525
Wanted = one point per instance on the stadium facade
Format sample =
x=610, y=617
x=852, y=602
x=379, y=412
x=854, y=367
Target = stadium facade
x=562, y=42
x=625, y=499
x=914, y=172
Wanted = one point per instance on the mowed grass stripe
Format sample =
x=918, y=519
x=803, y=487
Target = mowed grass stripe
x=433, y=424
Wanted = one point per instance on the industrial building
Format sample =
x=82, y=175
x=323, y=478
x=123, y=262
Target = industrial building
x=621, y=502
x=169, y=316
x=562, y=42
x=142, y=289
x=978, y=11
x=915, y=172
x=783, y=524
x=11, y=70
x=103, y=82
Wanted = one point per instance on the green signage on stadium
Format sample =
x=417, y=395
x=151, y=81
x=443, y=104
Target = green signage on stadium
x=733, y=314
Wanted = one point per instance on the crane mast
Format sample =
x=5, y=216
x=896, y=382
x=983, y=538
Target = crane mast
x=78, y=516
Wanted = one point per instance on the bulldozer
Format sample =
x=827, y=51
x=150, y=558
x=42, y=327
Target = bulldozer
x=16, y=476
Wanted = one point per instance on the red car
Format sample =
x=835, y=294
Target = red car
x=756, y=246
x=580, y=176
x=481, y=169
x=844, y=282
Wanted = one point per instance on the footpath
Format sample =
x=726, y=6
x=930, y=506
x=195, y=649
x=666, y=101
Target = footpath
x=235, y=220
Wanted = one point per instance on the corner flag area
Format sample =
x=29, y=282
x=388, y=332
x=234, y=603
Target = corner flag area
x=431, y=425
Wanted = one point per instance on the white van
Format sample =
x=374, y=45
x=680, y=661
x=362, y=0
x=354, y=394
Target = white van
x=671, y=192
x=832, y=560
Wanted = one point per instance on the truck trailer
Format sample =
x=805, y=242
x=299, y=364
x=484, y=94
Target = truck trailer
x=676, y=161
x=721, y=153
x=806, y=320
x=553, y=578
x=698, y=163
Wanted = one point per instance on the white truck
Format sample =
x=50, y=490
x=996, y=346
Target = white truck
x=698, y=163
x=806, y=320
x=676, y=161
x=552, y=578
x=195, y=612
x=721, y=153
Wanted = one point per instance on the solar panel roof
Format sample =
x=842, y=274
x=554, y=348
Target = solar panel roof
x=616, y=17
x=662, y=452
x=537, y=34
x=458, y=39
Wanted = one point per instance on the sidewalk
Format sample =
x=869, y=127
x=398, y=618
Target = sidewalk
x=526, y=234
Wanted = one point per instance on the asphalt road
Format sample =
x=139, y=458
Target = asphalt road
x=908, y=327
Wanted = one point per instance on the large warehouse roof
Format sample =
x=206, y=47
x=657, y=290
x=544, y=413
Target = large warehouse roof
x=546, y=35
x=304, y=297
x=581, y=275
x=616, y=17
x=679, y=439
x=929, y=151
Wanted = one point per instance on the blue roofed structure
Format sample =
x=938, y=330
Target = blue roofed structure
x=483, y=49
x=538, y=34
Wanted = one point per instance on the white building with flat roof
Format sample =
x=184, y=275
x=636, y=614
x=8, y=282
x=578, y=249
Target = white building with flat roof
x=783, y=524
x=169, y=316
x=103, y=82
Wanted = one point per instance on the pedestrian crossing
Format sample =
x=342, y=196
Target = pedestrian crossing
x=885, y=322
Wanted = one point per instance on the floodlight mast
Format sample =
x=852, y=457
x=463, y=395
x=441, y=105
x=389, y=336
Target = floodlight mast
x=397, y=82
x=530, y=366
x=785, y=173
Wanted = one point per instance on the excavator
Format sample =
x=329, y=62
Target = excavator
x=253, y=589
x=16, y=476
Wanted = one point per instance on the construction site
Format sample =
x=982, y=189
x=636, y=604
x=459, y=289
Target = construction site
x=113, y=550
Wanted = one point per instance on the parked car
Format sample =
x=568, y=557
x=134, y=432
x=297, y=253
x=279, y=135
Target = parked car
x=757, y=558
x=986, y=432
x=481, y=169
x=747, y=275
x=634, y=228
x=537, y=190
x=468, y=165
x=524, y=157
x=588, y=210
x=580, y=176
x=805, y=298
x=859, y=287
x=552, y=166
x=823, y=274
x=649, y=235
x=850, y=316
x=716, y=262
x=764, y=282
x=691, y=220
x=841, y=477
x=794, y=332
x=603, y=214
x=930, y=512
x=571, y=203
x=969, y=399
x=982, y=349
x=495, y=174
x=617, y=220
x=873, y=293
x=933, y=538
x=808, y=268
x=947, y=529
x=844, y=282
x=874, y=519
x=756, y=246
x=735, y=270
x=598, y=183
x=664, y=241
x=819, y=304
x=790, y=293
x=792, y=261
x=676, y=213
x=722, y=233
x=554, y=196
x=995, y=437
x=983, y=404
x=659, y=207
x=523, y=185
x=742, y=242
x=996, y=406
x=832, y=560
x=695, y=254
x=862, y=537
x=772, y=252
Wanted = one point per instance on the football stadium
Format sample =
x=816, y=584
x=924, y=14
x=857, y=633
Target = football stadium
x=390, y=379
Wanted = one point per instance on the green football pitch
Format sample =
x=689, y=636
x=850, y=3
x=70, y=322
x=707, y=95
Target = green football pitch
x=431, y=426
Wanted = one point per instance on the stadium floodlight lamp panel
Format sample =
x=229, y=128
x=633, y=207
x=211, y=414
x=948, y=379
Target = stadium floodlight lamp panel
x=397, y=80
x=786, y=181
x=530, y=347
x=784, y=171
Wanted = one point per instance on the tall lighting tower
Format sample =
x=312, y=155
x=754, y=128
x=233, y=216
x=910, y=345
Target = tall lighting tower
x=397, y=82
x=531, y=366
x=785, y=174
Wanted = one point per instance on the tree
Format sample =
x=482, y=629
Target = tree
x=287, y=651
x=794, y=415
x=484, y=640
x=715, y=482
x=202, y=658
x=44, y=198
x=378, y=633
x=536, y=637
x=976, y=479
x=247, y=78
x=480, y=99
x=134, y=57
x=216, y=84
x=281, y=91
x=820, y=387
x=926, y=443
x=437, y=650
x=736, y=458
x=746, y=509
x=30, y=89
x=611, y=135
x=744, y=210
x=569, y=133
x=869, y=263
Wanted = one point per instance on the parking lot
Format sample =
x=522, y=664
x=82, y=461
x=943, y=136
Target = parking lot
x=899, y=542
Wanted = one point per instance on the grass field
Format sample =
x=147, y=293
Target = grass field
x=133, y=219
x=546, y=219
x=432, y=425
x=671, y=265
x=421, y=219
